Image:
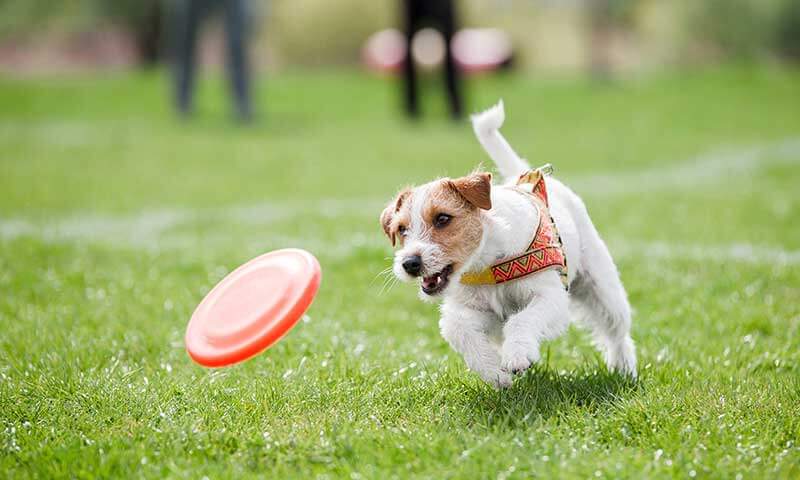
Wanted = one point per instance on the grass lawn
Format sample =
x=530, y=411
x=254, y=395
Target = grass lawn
x=115, y=219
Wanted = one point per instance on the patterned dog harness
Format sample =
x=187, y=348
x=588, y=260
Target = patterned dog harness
x=544, y=252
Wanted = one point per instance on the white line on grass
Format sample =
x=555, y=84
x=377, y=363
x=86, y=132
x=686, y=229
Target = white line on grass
x=743, y=253
x=160, y=229
x=709, y=168
x=736, y=252
x=57, y=133
x=148, y=228
x=151, y=237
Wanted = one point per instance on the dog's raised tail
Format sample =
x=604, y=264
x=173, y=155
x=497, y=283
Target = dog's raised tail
x=487, y=128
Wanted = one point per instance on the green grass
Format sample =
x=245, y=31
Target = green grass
x=115, y=220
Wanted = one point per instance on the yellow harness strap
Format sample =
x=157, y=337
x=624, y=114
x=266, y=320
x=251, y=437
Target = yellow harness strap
x=544, y=252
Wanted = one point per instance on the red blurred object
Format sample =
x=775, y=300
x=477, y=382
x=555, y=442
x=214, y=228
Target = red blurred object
x=385, y=51
x=474, y=50
x=482, y=49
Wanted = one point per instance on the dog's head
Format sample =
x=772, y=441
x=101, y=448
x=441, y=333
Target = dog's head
x=438, y=228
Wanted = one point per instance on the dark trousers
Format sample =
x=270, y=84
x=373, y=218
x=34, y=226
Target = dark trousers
x=439, y=14
x=188, y=18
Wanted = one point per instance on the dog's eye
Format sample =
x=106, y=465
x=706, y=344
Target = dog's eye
x=442, y=220
x=402, y=230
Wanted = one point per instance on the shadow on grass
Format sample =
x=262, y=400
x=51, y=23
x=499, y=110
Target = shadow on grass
x=542, y=393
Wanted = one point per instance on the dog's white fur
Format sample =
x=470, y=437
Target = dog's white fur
x=499, y=328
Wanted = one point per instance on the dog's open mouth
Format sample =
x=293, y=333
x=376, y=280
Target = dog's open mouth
x=433, y=284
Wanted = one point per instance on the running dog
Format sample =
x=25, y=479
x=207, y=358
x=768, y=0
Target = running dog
x=509, y=262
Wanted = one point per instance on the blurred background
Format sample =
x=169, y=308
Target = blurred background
x=625, y=36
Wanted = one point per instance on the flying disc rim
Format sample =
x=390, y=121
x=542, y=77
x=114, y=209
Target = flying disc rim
x=213, y=347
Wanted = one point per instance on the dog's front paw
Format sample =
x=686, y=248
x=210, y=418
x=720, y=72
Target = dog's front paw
x=497, y=378
x=516, y=359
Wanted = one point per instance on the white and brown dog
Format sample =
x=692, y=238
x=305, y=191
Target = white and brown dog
x=451, y=230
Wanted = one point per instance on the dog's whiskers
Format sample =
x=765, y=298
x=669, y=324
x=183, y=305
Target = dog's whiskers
x=383, y=273
x=389, y=285
x=388, y=279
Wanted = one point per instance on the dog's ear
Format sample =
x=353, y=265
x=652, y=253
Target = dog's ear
x=388, y=214
x=386, y=222
x=476, y=188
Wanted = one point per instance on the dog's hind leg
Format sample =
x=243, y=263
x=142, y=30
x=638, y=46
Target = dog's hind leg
x=606, y=312
x=599, y=292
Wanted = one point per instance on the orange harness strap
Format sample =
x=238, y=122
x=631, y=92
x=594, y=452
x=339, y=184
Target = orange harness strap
x=544, y=252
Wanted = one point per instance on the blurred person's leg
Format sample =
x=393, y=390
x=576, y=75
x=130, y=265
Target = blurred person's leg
x=411, y=10
x=236, y=24
x=188, y=16
x=452, y=78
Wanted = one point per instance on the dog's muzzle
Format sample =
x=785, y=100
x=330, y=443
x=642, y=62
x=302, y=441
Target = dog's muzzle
x=434, y=284
x=413, y=265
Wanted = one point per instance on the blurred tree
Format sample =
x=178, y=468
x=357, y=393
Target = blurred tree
x=24, y=16
x=788, y=30
x=144, y=19
x=735, y=28
x=606, y=17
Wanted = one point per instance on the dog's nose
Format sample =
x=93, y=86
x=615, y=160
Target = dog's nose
x=412, y=265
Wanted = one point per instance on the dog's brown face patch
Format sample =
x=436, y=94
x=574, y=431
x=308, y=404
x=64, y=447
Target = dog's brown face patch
x=453, y=221
x=439, y=223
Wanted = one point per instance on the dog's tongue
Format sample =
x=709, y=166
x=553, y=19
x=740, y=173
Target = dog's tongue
x=431, y=282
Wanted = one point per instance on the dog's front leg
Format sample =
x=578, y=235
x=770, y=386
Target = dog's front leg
x=544, y=318
x=467, y=331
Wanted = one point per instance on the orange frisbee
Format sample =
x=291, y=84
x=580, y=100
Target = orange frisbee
x=253, y=307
